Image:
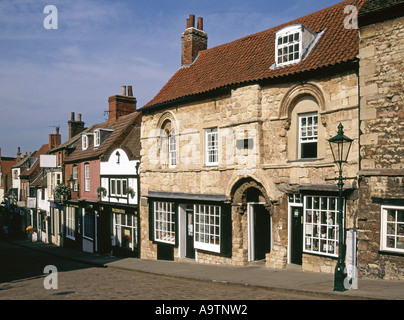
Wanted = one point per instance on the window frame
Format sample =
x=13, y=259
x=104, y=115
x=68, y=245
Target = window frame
x=70, y=222
x=84, y=141
x=172, y=149
x=113, y=185
x=164, y=222
x=289, y=35
x=125, y=222
x=211, y=146
x=75, y=178
x=384, y=229
x=87, y=177
x=207, y=231
x=322, y=223
x=313, y=138
x=97, y=138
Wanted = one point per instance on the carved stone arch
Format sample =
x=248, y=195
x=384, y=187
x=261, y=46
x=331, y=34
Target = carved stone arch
x=167, y=117
x=294, y=94
x=239, y=194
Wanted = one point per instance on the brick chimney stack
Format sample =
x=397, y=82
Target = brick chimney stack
x=55, y=139
x=193, y=40
x=75, y=127
x=121, y=105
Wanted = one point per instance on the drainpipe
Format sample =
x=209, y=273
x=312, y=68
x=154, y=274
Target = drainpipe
x=138, y=208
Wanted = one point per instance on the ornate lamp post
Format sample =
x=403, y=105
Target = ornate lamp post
x=340, y=147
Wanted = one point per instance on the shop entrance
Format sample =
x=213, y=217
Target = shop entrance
x=190, y=250
x=296, y=242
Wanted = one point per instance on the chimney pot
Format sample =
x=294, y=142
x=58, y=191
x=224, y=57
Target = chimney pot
x=130, y=92
x=123, y=89
x=191, y=20
x=72, y=116
x=200, y=24
x=79, y=117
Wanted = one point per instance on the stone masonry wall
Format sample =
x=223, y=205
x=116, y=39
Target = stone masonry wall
x=262, y=114
x=382, y=144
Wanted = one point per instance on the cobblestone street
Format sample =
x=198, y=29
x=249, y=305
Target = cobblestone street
x=22, y=277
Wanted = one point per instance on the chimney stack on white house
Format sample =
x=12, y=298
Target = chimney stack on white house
x=121, y=105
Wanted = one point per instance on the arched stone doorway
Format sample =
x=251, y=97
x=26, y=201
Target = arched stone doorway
x=251, y=219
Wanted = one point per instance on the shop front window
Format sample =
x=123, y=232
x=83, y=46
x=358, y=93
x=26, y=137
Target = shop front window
x=207, y=227
x=164, y=222
x=321, y=225
x=125, y=230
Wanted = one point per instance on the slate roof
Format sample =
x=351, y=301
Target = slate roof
x=122, y=129
x=249, y=59
x=30, y=171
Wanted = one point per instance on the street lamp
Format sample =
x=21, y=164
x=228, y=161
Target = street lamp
x=340, y=147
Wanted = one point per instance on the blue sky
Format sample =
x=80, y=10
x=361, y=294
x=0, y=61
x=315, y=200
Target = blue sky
x=99, y=46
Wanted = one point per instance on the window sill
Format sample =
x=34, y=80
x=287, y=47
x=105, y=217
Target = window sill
x=305, y=160
x=391, y=252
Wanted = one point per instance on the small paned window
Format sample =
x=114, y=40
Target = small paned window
x=392, y=233
x=289, y=48
x=164, y=222
x=308, y=133
x=212, y=150
x=84, y=141
x=321, y=225
x=207, y=227
x=172, y=149
x=87, y=177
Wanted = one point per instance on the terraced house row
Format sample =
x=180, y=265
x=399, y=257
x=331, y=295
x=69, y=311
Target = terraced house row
x=230, y=162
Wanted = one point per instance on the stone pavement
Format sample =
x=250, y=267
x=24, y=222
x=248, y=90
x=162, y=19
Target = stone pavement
x=287, y=280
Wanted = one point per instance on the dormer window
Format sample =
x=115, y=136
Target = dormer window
x=97, y=139
x=292, y=44
x=100, y=135
x=84, y=141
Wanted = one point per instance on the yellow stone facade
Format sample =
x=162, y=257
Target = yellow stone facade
x=265, y=117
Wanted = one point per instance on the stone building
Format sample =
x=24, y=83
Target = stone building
x=234, y=147
x=381, y=193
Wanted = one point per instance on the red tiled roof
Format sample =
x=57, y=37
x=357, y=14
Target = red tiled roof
x=249, y=59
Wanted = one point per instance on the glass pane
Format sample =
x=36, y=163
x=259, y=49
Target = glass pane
x=296, y=36
x=323, y=203
x=400, y=215
x=308, y=202
x=390, y=242
x=400, y=243
x=391, y=228
x=391, y=215
x=400, y=229
x=332, y=204
x=316, y=203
